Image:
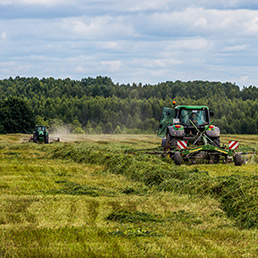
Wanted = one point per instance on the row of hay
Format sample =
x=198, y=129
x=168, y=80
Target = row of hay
x=238, y=195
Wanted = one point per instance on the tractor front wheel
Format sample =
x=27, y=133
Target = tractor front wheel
x=178, y=158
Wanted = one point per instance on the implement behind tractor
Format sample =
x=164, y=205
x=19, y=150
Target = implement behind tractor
x=188, y=135
x=41, y=135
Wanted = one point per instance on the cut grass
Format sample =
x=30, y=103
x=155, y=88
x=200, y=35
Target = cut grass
x=47, y=208
x=153, y=171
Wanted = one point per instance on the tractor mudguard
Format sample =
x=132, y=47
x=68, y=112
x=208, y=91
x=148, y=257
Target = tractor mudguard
x=214, y=132
x=176, y=133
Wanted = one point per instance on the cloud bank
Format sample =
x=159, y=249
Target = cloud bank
x=130, y=41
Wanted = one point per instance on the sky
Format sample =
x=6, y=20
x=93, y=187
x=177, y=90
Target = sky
x=147, y=41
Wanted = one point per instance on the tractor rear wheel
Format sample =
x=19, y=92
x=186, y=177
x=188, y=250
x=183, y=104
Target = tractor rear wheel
x=178, y=158
x=171, y=141
x=238, y=159
x=46, y=140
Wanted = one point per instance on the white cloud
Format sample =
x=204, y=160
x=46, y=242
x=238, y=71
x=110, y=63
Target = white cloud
x=41, y=2
x=148, y=41
x=6, y=2
x=97, y=27
x=244, y=79
x=163, y=63
x=111, y=45
x=111, y=66
x=144, y=5
x=33, y=2
x=199, y=21
x=80, y=69
x=3, y=35
x=168, y=5
x=235, y=48
x=189, y=44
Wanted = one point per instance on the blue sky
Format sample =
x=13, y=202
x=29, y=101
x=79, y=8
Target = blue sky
x=146, y=41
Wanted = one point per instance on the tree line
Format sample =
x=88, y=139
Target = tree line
x=97, y=105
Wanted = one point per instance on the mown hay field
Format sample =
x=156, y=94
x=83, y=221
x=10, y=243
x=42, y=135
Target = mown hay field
x=85, y=197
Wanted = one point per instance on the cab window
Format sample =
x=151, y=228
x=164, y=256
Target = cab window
x=198, y=117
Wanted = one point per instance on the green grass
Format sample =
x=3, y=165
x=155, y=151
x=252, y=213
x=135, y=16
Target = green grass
x=87, y=198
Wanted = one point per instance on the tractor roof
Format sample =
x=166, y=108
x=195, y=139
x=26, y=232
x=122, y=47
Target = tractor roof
x=191, y=107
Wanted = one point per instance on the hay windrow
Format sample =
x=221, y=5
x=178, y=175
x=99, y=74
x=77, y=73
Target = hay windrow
x=237, y=194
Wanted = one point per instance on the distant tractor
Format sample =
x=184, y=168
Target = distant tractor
x=40, y=134
x=188, y=135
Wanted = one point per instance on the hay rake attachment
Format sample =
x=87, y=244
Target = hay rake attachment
x=207, y=154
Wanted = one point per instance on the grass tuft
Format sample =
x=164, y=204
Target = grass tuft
x=185, y=217
x=125, y=216
x=134, y=232
x=72, y=188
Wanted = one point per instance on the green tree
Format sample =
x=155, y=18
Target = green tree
x=88, y=128
x=132, y=107
x=108, y=128
x=98, y=129
x=16, y=116
x=78, y=130
x=129, y=122
x=118, y=130
x=39, y=120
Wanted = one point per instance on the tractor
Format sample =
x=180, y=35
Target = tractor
x=189, y=135
x=40, y=134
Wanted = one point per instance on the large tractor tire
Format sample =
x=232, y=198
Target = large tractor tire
x=238, y=159
x=35, y=139
x=46, y=140
x=171, y=141
x=216, y=142
x=178, y=158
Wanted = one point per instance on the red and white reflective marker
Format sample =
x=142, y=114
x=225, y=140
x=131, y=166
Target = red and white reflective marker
x=233, y=145
x=182, y=144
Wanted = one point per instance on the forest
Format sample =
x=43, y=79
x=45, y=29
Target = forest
x=98, y=105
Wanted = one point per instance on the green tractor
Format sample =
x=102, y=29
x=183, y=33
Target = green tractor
x=189, y=135
x=40, y=134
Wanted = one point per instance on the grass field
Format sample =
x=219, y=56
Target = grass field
x=84, y=197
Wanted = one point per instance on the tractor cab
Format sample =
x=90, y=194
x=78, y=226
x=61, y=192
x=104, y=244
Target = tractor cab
x=187, y=123
x=198, y=115
x=41, y=128
x=184, y=116
x=191, y=117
